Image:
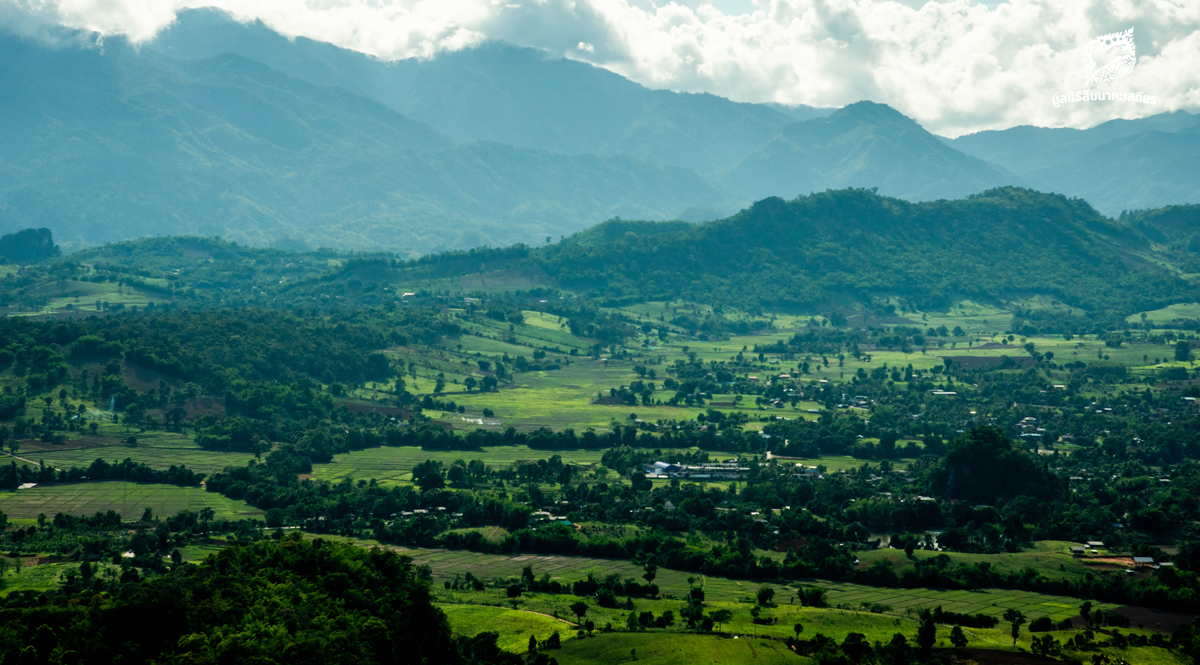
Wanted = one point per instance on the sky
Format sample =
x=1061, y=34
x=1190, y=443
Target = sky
x=956, y=66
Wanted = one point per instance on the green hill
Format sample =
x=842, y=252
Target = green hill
x=1003, y=244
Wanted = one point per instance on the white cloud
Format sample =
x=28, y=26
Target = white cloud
x=954, y=65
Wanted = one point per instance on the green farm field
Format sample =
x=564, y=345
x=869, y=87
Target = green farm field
x=128, y=499
x=657, y=647
x=514, y=626
x=446, y=564
x=159, y=450
x=31, y=574
x=662, y=648
x=393, y=465
x=1050, y=558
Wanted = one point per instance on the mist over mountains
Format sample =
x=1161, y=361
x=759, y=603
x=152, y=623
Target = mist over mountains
x=223, y=128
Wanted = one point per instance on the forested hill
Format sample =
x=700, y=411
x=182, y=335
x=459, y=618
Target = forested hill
x=832, y=251
x=854, y=245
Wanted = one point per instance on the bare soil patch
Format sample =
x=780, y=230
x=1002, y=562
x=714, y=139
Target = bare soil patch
x=87, y=441
x=143, y=378
x=976, y=362
x=203, y=406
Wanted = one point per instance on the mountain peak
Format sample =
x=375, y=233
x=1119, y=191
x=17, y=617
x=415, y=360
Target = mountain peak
x=873, y=113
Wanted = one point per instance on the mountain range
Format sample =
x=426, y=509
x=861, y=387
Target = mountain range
x=224, y=128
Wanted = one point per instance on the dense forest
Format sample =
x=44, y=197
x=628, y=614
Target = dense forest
x=273, y=602
x=853, y=244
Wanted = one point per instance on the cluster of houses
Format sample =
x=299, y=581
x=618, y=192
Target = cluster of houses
x=1093, y=547
x=715, y=471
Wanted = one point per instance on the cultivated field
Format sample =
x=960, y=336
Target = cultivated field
x=393, y=465
x=128, y=499
x=159, y=450
x=1050, y=558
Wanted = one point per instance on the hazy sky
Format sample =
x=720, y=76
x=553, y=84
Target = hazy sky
x=954, y=65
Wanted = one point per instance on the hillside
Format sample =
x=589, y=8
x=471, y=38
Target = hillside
x=106, y=144
x=855, y=245
x=862, y=145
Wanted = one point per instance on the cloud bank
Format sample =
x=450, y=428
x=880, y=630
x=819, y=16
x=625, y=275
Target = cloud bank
x=956, y=66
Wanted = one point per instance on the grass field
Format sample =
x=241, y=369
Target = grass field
x=393, y=465
x=1050, y=558
x=159, y=450
x=31, y=575
x=128, y=499
x=1168, y=314
x=514, y=626
x=663, y=648
x=446, y=564
x=657, y=647
x=983, y=601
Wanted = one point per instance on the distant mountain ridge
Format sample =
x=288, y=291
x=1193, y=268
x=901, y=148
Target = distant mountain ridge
x=101, y=146
x=862, y=145
x=1117, y=165
x=507, y=94
x=223, y=128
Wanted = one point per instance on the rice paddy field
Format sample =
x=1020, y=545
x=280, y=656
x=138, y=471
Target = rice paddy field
x=393, y=466
x=154, y=448
x=128, y=499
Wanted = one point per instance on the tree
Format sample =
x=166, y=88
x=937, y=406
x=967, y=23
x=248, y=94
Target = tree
x=532, y=642
x=514, y=592
x=1015, y=618
x=431, y=481
x=799, y=628
x=856, y=646
x=1183, y=351
x=926, y=632
x=580, y=609
x=958, y=638
x=765, y=594
x=470, y=383
x=632, y=623
x=1085, y=611
x=722, y=617
x=589, y=626
x=651, y=571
